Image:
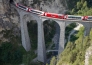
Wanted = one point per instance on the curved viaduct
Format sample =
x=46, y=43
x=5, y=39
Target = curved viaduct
x=41, y=55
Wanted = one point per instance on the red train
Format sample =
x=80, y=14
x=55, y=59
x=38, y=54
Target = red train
x=41, y=13
x=87, y=17
x=53, y=15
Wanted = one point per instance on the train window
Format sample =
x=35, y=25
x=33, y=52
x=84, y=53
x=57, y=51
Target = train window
x=36, y=11
x=78, y=17
x=22, y=6
x=74, y=17
x=89, y=17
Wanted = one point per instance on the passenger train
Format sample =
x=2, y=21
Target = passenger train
x=53, y=15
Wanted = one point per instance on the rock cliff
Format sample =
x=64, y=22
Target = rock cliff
x=9, y=19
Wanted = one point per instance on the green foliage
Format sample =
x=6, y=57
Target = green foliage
x=36, y=63
x=9, y=51
x=46, y=63
x=74, y=53
x=79, y=4
x=71, y=3
x=68, y=29
x=28, y=57
x=53, y=61
x=90, y=60
x=49, y=31
x=85, y=4
x=90, y=35
x=81, y=7
x=32, y=29
x=73, y=38
x=10, y=54
x=81, y=32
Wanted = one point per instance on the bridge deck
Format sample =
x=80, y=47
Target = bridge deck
x=66, y=20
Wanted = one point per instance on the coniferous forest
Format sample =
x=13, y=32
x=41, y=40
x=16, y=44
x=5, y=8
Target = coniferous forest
x=74, y=52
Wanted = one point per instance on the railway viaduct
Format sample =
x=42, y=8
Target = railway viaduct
x=41, y=54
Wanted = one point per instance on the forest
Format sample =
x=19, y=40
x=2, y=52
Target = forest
x=79, y=7
x=74, y=52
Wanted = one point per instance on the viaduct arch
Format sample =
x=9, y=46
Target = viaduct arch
x=87, y=25
x=62, y=34
x=41, y=55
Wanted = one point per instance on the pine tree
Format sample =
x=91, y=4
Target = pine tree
x=53, y=61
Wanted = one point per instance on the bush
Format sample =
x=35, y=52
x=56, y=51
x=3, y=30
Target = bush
x=10, y=54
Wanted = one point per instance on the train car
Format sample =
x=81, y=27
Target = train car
x=37, y=12
x=73, y=17
x=54, y=15
x=87, y=17
x=84, y=17
x=23, y=7
x=61, y=16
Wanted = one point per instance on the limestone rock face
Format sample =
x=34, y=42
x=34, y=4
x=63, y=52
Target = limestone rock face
x=9, y=18
x=55, y=6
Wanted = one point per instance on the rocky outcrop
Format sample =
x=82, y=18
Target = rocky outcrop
x=55, y=6
x=9, y=18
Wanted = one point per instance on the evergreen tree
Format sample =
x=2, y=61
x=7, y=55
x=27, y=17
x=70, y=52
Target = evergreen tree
x=53, y=61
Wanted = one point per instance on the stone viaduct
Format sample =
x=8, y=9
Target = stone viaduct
x=41, y=54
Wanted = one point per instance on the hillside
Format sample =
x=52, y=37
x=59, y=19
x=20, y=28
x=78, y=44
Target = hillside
x=75, y=52
x=79, y=51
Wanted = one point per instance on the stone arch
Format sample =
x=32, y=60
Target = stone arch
x=87, y=26
x=56, y=36
x=31, y=21
x=55, y=24
x=24, y=31
x=70, y=30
